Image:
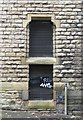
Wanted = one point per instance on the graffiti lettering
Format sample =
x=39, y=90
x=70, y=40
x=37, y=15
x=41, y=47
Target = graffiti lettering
x=48, y=85
x=46, y=79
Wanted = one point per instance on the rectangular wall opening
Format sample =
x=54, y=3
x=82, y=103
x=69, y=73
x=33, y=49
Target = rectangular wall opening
x=41, y=38
x=41, y=82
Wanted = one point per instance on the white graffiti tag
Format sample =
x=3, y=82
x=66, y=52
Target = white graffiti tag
x=48, y=85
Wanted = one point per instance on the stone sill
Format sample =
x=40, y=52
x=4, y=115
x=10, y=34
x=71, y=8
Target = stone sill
x=42, y=60
x=41, y=104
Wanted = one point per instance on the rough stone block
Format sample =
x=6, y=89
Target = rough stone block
x=25, y=95
x=13, y=86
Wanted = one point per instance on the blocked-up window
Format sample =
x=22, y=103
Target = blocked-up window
x=40, y=83
x=40, y=45
x=40, y=38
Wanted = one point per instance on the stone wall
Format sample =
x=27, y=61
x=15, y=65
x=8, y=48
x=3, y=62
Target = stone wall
x=14, y=69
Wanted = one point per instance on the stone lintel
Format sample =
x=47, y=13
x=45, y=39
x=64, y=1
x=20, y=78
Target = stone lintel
x=40, y=16
x=42, y=60
x=13, y=86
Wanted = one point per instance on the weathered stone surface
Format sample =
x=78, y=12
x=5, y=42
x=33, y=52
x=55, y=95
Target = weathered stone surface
x=38, y=115
x=14, y=86
x=40, y=60
x=58, y=85
x=14, y=48
x=49, y=104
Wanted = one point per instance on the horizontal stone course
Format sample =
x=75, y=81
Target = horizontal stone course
x=13, y=86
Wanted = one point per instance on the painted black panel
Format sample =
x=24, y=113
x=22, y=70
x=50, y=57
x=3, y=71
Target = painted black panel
x=40, y=42
x=41, y=82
